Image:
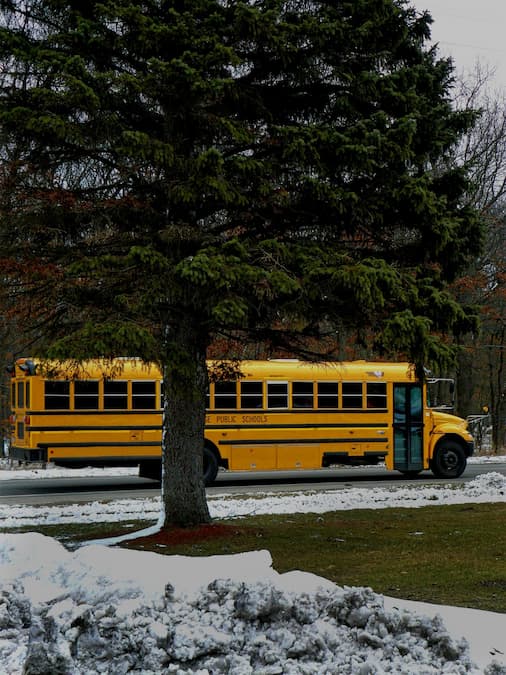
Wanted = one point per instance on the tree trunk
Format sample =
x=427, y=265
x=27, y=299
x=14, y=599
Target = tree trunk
x=185, y=386
x=497, y=362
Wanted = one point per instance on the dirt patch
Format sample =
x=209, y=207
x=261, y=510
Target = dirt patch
x=186, y=535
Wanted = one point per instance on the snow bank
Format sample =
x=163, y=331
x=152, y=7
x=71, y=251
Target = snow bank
x=106, y=610
x=102, y=610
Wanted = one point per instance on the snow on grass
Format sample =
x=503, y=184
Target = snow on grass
x=106, y=610
x=489, y=487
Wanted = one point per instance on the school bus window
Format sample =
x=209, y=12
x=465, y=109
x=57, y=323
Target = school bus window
x=376, y=395
x=225, y=395
x=86, y=395
x=251, y=394
x=144, y=395
x=20, y=430
x=115, y=395
x=352, y=394
x=57, y=395
x=13, y=395
x=328, y=394
x=277, y=394
x=27, y=394
x=302, y=394
x=21, y=394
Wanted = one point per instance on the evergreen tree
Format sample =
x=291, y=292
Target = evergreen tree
x=173, y=171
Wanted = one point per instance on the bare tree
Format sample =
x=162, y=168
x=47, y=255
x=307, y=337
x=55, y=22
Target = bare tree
x=483, y=151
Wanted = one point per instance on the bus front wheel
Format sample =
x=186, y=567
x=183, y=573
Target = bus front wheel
x=449, y=460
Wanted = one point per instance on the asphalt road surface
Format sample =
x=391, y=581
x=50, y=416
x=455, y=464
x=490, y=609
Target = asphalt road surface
x=80, y=489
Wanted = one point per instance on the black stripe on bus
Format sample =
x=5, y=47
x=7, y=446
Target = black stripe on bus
x=296, y=411
x=309, y=425
x=103, y=460
x=157, y=427
x=216, y=411
x=111, y=411
x=104, y=444
x=302, y=441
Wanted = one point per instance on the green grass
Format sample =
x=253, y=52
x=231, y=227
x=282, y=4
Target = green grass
x=442, y=554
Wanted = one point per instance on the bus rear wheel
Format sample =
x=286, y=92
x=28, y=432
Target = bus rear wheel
x=152, y=469
x=210, y=466
x=449, y=460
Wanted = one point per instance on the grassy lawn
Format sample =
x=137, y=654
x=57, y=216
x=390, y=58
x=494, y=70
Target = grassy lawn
x=442, y=554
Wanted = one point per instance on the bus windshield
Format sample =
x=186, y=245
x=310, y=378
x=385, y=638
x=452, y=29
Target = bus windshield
x=440, y=393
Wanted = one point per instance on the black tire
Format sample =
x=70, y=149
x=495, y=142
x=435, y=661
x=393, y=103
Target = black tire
x=151, y=469
x=449, y=460
x=210, y=466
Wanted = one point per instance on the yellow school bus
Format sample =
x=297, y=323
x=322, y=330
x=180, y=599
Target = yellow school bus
x=276, y=414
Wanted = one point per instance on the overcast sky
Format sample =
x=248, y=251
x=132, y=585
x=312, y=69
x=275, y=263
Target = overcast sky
x=470, y=30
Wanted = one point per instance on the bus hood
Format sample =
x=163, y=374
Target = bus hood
x=440, y=418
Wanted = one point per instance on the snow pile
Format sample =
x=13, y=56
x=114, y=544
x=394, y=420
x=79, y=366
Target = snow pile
x=102, y=610
x=108, y=610
x=487, y=482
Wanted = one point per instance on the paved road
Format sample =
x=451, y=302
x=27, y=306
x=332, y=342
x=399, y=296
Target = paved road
x=79, y=489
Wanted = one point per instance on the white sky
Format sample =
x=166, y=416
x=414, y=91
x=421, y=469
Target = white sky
x=470, y=31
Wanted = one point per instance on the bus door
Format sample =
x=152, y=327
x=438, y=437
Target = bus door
x=20, y=402
x=408, y=427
